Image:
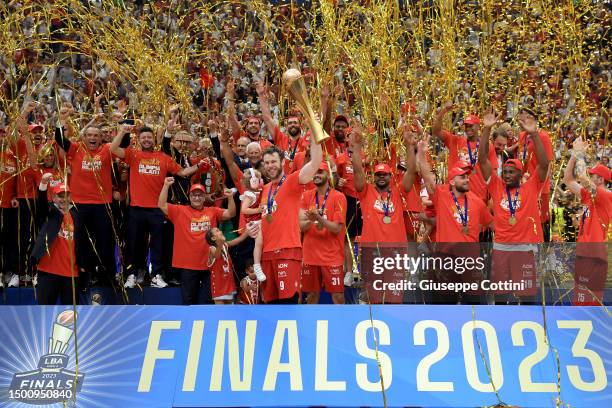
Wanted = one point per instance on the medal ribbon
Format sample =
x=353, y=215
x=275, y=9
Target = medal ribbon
x=473, y=159
x=462, y=214
x=512, y=204
x=386, y=204
x=322, y=209
x=271, y=195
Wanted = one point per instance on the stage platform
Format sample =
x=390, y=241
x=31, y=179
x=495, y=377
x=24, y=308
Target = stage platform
x=172, y=296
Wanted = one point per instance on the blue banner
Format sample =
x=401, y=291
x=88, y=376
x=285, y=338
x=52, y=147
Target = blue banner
x=199, y=356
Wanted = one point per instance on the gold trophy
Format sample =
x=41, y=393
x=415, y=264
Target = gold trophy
x=294, y=82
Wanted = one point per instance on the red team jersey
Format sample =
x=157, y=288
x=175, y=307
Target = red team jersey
x=222, y=275
x=8, y=180
x=147, y=173
x=372, y=210
x=190, y=226
x=527, y=229
x=321, y=247
x=90, y=181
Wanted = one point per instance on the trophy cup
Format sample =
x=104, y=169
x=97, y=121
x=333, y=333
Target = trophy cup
x=294, y=82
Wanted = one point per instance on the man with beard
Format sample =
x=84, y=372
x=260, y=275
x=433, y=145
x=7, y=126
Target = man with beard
x=516, y=216
x=460, y=216
x=252, y=128
x=383, y=219
x=278, y=248
x=91, y=187
x=465, y=148
x=290, y=143
x=322, y=219
x=148, y=169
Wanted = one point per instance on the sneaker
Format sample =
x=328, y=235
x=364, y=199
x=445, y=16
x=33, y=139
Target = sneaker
x=130, y=282
x=158, y=282
x=1, y=280
x=35, y=280
x=96, y=299
x=14, y=282
x=141, y=277
x=261, y=276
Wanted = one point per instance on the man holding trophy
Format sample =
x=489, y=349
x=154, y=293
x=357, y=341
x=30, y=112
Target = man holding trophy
x=278, y=247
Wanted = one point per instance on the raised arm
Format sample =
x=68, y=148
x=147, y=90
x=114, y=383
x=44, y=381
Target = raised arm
x=568, y=176
x=162, y=201
x=358, y=172
x=409, y=143
x=62, y=131
x=425, y=168
x=22, y=127
x=115, y=146
x=530, y=125
x=436, y=126
x=264, y=104
x=316, y=156
x=226, y=155
x=489, y=119
x=231, y=107
x=230, y=211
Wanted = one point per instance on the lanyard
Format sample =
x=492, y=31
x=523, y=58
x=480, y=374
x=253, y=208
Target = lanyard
x=511, y=204
x=462, y=214
x=386, y=205
x=322, y=209
x=473, y=159
x=294, y=148
x=272, y=196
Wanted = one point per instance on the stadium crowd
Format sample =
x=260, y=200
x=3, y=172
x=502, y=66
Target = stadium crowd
x=242, y=202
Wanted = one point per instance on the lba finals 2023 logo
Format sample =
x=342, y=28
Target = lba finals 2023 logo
x=51, y=382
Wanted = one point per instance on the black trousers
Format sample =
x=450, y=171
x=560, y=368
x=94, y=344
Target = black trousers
x=26, y=215
x=8, y=243
x=51, y=287
x=195, y=286
x=144, y=225
x=167, y=247
x=241, y=255
x=98, y=242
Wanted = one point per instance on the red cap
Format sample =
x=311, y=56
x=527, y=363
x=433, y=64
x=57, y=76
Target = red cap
x=324, y=166
x=463, y=164
x=32, y=127
x=601, y=171
x=339, y=118
x=60, y=188
x=472, y=120
x=197, y=187
x=517, y=164
x=382, y=168
x=458, y=171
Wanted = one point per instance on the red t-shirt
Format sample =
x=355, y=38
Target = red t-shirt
x=61, y=257
x=8, y=171
x=528, y=156
x=27, y=182
x=91, y=181
x=449, y=227
x=286, y=143
x=528, y=228
x=190, y=249
x=458, y=150
x=147, y=173
x=372, y=210
x=322, y=247
x=283, y=231
x=595, y=217
x=221, y=275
